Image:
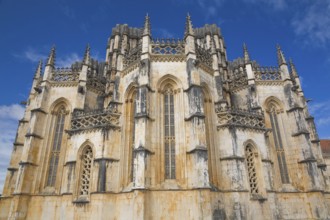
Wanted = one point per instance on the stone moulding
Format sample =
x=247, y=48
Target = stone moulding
x=241, y=118
x=168, y=58
x=88, y=121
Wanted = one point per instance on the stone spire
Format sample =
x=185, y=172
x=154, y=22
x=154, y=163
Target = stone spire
x=280, y=56
x=293, y=69
x=189, y=29
x=147, y=26
x=246, y=54
x=51, y=57
x=87, y=55
x=37, y=74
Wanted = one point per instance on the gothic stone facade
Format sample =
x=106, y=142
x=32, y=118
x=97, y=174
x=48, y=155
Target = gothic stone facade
x=166, y=129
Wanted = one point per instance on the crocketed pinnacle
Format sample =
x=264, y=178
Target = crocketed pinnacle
x=87, y=55
x=147, y=26
x=246, y=54
x=51, y=57
x=37, y=74
x=293, y=69
x=280, y=56
x=188, y=29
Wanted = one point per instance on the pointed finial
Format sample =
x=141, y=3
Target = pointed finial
x=293, y=69
x=246, y=54
x=87, y=55
x=280, y=56
x=51, y=57
x=37, y=74
x=147, y=26
x=189, y=29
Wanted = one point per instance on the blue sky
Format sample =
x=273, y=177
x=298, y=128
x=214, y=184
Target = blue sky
x=28, y=29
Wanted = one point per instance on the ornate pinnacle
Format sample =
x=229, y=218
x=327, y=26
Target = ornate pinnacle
x=293, y=69
x=147, y=26
x=280, y=56
x=246, y=54
x=37, y=74
x=51, y=57
x=87, y=55
x=189, y=29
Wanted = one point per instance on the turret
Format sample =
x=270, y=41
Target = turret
x=50, y=65
x=246, y=54
x=295, y=77
x=146, y=38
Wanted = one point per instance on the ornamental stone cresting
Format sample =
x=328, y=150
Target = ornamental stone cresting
x=166, y=129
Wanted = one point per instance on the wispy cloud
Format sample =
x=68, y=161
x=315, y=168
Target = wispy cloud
x=163, y=33
x=9, y=115
x=31, y=54
x=276, y=4
x=321, y=111
x=67, y=60
x=313, y=23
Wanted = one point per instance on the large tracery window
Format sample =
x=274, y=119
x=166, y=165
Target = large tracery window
x=56, y=147
x=251, y=167
x=85, y=171
x=273, y=115
x=169, y=136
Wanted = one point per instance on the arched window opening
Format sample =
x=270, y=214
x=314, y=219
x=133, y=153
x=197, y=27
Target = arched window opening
x=169, y=134
x=273, y=115
x=251, y=168
x=85, y=171
x=131, y=120
x=56, y=146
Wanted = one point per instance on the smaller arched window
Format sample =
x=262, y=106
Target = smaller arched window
x=251, y=155
x=85, y=171
x=56, y=146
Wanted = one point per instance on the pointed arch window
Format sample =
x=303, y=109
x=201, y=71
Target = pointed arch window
x=85, y=171
x=274, y=120
x=56, y=146
x=131, y=119
x=169, y=133
x=251, y=154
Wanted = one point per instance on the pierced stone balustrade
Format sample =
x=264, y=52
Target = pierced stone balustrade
x=267, y=73
x=241, y=118
x=64, y=75
x=167, y=47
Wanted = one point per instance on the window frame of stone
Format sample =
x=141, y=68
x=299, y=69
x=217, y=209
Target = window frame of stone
x=277, y=139
x=60, y=150
x=258, y=168
x=165, y=82
x=84, y=198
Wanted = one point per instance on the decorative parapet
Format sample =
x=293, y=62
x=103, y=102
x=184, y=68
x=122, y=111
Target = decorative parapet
x=99, y=119
x=238, y=80
x=96, y=84
x=204, y=55
x=132, y=56
x=231, y=117
x=267, y=73
x=167, y=47
x=65, y=75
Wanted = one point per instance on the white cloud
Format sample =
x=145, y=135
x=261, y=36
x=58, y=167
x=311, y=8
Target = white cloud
x=163, y=33
x=276, y=4
x=9, y=116
x=67, y=60
x=313, y=23
x=321, y=112
x=31, y=54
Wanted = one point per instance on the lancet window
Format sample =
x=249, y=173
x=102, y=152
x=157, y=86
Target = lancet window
x=56, y=146
x=274, y=115
x=131, y=119
x=169, y=133
x=250, y=154
x=85, y=171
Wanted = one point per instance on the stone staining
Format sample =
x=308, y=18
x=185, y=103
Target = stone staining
x=130, y=138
